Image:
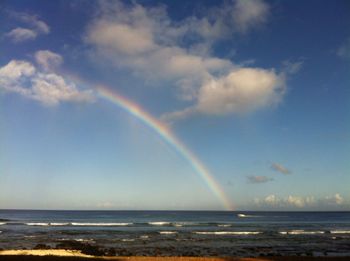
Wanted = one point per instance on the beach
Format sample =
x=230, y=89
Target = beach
x=69, y=255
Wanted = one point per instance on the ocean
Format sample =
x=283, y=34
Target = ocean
x=180, y=233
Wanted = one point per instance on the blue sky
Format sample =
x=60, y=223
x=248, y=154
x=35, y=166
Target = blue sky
x=257, y=90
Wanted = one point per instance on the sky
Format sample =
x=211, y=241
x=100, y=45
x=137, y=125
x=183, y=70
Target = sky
x=175, y=105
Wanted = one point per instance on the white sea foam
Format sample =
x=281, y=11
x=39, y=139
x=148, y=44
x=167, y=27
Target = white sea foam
x=300, y=232
x=144, y=237
x=240, y=215
x=100, y=224
x=38, y=224
x=340, y=232
x=128, y=240
x=59, y=224
x=84, y=240
x=227, y=232
x=167, y=232
x=159, y=223
x=2, y=223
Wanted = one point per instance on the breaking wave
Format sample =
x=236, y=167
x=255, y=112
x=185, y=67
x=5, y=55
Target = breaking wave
x=227, y=232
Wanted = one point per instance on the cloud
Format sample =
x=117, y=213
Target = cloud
x=33, y=20
x=241, y=91
x=292, y=67
x=20, y=34
x=299, y=202
x=258, y=179
x=178, y=53
x=48, y=60
x=344, y=50
x=279, y=168
x=249, y=13
x=49, y=88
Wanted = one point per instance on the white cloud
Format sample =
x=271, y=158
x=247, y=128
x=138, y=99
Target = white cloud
x=279, y=168
x=33, y=20
x=20, y=34
x=241, y=91
x=48, y=88
x=145, y=40
x=48, y=60
x=51, y=89
x=335, y=199
x=258, y=179
x=299, y=202
x=249, y=13
x=296, y=201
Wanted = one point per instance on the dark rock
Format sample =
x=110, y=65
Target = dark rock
x=42, y=246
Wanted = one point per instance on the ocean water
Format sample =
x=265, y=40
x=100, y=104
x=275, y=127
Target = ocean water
x=190, y=233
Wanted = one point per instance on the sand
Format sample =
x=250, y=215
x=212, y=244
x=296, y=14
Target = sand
x=74, y=255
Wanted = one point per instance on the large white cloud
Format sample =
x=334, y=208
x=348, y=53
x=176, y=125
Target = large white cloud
x=145, y=40
x=49, y=88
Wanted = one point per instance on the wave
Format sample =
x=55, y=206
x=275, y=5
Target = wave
x=101, y=224
x=144, y=237
x=227, y=232
x=167, y=232
x=84, y=240
x=38, y=224
x=240, y=215
x=159, y=223
x=59, y=224
x=2, y=223
x=128, y=240
x=300, y=232
x=340, y=231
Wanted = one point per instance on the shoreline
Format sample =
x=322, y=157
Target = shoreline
x=76, y=255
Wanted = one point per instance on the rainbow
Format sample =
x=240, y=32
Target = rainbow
x=165, y=133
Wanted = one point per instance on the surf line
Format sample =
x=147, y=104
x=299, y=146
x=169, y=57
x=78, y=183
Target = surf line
x=164, y=132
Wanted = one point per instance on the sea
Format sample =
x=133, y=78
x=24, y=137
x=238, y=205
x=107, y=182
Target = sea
x=180, y=233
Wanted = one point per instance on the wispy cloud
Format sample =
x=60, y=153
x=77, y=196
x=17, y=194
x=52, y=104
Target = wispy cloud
x=248, y=14
x=47, y=87
x=344, y=50
x=48, y=60
x=21, y=34
x=279, y=168
x=258, y=179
